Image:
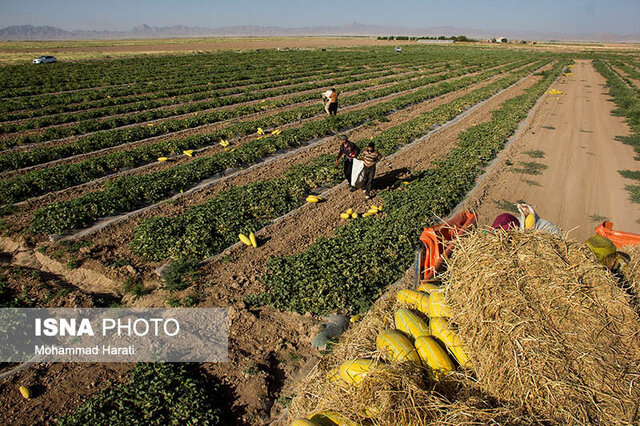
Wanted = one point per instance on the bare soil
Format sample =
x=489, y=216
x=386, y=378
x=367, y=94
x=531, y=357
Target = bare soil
x=231, y=43
x=57, y=388
x=24, y=287
x=579, y=185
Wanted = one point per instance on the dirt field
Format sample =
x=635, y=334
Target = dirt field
x=577, y=184
x=20, y=52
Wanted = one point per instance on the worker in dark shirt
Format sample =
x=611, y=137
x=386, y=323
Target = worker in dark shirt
x=370, y=158
x=350, y=151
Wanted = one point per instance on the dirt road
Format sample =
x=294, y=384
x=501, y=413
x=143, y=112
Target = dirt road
x=565, y=162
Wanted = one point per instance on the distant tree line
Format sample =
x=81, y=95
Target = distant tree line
x=454, y=38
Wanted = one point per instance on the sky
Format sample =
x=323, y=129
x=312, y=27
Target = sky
x=561, y=16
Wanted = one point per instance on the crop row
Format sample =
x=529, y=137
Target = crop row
x=19, y=159
x=197, y=88
x=631, y=70
x=30, y=80
x=156, y=393
x=105, y=96
x=170, y=97
x=64, y=79
x=227, y=76
x=627, y=100
x=99, y=98
x=127, y=193
x=210, y=102
x=38, y=182
x=207, y=229
x=352, y=268
x=153, y=92
x=139, y=74
x=115, y=122
x=210, y=228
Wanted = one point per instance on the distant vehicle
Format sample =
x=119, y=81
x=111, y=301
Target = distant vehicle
x=398, y=49
x=44, y=59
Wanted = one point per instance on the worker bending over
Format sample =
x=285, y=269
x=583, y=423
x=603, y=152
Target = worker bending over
x=350, y=151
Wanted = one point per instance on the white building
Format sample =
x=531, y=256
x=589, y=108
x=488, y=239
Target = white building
x=429, y=41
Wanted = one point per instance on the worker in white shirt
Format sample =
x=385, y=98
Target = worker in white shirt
x=330, y=98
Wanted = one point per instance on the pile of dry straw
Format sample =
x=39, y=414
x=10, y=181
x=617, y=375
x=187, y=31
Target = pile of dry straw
x=551, y=335
x=401, y=393
x=547, y=327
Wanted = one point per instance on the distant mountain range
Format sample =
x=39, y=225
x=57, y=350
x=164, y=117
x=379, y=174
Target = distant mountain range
x=30, y=32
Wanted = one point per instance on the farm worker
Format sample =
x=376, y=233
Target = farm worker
x=330, y=98
x=370, y=157
x=350, y=151
x=506, y=222
x=529, y=219
x=326, y=101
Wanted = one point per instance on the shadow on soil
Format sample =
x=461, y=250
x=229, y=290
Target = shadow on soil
x=390, y=178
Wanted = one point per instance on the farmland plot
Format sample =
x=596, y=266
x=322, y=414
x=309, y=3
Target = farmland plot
x=90, y=157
